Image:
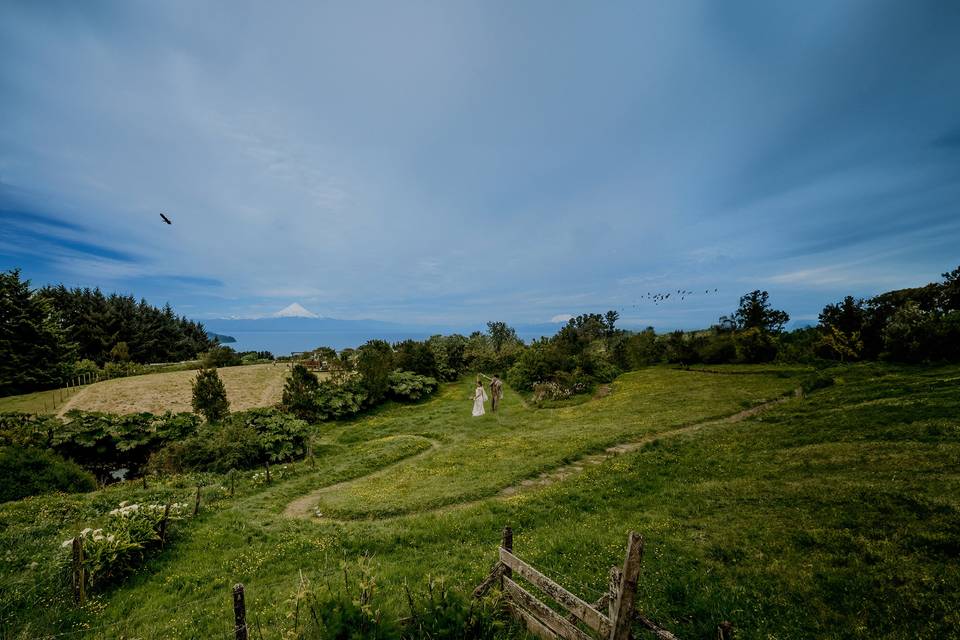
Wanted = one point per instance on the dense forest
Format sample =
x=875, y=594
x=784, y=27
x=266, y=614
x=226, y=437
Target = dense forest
x=44, y=332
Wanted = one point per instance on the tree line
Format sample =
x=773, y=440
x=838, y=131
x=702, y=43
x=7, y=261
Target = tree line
x=44, y=332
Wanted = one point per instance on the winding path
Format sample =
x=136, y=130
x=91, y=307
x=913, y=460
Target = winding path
x=305, y=506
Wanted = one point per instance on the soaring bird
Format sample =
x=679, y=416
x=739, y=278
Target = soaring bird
x=165, y=219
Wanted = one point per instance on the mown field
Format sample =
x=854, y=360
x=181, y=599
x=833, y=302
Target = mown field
x=832, y=515
x=250, y=386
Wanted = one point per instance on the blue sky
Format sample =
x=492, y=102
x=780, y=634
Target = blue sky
x=458, y=162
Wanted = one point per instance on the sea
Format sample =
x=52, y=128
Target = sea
x=282, y=343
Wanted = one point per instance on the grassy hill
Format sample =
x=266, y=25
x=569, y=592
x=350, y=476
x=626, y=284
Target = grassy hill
x=832, y=515
x=257, y=385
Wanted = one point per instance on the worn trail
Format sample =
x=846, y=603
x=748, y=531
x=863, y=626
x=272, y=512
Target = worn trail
x=305, y=506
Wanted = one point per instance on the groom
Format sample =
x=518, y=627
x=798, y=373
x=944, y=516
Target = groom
x=496, y=392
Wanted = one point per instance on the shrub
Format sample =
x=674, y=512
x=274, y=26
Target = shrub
x=123, y=369
x=336, y=401
x=30, y=472
x=210, y=396
x=375, y=363
x=299, y=394
x=27, y=429
x=247, y=439
x=220, y=356
x=755, y=345
x=118, y=548
x=409, y=386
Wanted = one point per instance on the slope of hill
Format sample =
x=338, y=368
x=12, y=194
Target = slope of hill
x=831, y=515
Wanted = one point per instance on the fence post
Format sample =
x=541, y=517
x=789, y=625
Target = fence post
x=79, y=573
x=506, y=542
x=266, y=465
x=239, y=613
x=196, y=505
x=622, y=614
x=144, y=481
x=613, y=588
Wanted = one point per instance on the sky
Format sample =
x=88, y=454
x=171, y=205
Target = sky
x=457, y=162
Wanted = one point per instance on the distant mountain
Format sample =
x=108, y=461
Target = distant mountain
x=299, y=323
x=220, y=337
x=295, y=310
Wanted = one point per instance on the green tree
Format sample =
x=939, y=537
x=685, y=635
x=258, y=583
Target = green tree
x=120, y=352
x=755, y=312
x=375, y=364
x=299, y=393
x=34, y=350
x=210, y=396
x=501, y=334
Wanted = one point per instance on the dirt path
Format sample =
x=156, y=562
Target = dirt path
x=69, y=404
x=304, y=507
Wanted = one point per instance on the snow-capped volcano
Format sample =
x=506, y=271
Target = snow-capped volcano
x=295, y=310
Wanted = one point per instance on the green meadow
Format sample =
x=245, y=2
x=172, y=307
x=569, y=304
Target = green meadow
x=831, y=514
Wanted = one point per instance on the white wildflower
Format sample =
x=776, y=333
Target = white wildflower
x=67, y=543
x=86, y=531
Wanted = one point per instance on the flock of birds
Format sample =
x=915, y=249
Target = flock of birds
x=680, y=294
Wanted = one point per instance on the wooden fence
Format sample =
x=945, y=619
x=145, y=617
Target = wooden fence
x=611, y=617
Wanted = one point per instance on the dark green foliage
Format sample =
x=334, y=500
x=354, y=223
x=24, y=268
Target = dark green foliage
x=96, y=323
x=418, y=357
x=102, y=442
x=27, y=429
x=282, y=437
x=245, y=440
x=299, y=394
x=34, y=348
x=220, y=356
x=448, y=354
x=755, y=312
x=501, y=335
x=755, y=345
x=374, y=364
x=409, y=386
x=30, y=472
x=210, y=396
x=336, y=401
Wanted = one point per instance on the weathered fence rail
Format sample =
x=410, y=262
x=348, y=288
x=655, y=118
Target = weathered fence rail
x=543, y=621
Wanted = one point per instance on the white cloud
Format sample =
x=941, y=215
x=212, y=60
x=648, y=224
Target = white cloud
x=561, y=317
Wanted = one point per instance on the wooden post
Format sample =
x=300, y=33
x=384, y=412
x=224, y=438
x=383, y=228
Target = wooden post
x=163, y=524
x=79, y=572
x=313, y=463
x=613, y=588
x=266, y=466
x=233, y=481
x=196, y=505
x=239, y=613
x=506, y=542
x=622, y=614
x=144, y=481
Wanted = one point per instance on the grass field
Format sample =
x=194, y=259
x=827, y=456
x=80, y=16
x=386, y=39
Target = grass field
x=833, y=515
x=257, y=385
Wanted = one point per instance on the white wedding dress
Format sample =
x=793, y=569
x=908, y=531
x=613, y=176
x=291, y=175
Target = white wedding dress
x=478, y=399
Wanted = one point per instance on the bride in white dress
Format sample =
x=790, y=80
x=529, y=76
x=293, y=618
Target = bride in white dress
x=479, y=397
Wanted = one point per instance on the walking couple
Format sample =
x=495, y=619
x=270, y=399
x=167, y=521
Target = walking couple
x=480, y=395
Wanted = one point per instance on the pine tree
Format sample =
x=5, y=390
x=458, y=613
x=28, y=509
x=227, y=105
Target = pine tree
x=210, y=396
x=34, y=351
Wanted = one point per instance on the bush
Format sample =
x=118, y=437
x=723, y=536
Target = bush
x=336, y=401
x=409, y=386
x=754, y=346
x=210, y=396
x=103, y=442
x=375, y=364
x=300, y=394
x=246, y=440
x=123, y=369
x=30, y=472
x=220, y=356
x=120, y=547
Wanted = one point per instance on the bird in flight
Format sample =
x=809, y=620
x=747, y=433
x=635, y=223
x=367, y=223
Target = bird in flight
x=165, y=219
